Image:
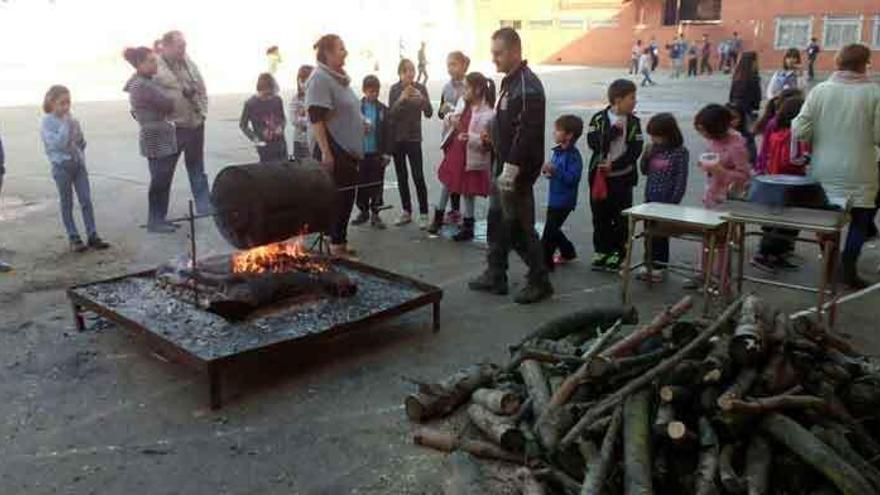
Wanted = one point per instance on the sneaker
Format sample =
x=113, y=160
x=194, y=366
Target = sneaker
x=424, y=221
x=77, y=246
x=362, y=218
x=376, y=221
x=404, y=218
x=96, y=242
x=5, y=267
x=490, y=283
x=534, y=292
x=657, y=275
x=613, y=262
x=162, y=228
x=764, y=263
x=598, y=262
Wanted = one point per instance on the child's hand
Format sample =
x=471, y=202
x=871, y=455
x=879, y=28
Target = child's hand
x=606, y=165
x=463, y=136
x=548, y=169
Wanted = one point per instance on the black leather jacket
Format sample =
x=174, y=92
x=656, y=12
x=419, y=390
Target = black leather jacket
x=518, y=129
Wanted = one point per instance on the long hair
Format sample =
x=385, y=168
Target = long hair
x=135, y=56
x=483, y=86
x=789, y=109
x=665, y=126
x=266, y=81
x=747, y=67
x=714, y=120
x=773, y=107
x=53, y=95
x=790, y=53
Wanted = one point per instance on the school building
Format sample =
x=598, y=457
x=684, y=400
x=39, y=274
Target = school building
x=602, y=32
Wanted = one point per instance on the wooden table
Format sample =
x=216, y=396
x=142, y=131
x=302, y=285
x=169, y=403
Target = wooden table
x=826, y=225
x=681, y=222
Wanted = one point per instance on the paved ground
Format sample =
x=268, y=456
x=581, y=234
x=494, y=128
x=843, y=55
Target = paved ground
x=95, y=413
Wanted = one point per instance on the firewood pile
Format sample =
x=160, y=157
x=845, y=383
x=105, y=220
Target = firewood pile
x=750, y=403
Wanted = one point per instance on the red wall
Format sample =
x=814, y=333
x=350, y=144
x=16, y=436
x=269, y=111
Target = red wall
x=755, y=20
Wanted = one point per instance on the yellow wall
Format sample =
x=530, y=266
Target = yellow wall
x=546, y=25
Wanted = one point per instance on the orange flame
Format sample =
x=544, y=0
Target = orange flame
x=277, y=258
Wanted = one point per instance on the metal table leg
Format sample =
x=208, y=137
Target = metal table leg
x=707, y=272
x=827, y=255
x=649, y=251
x=78, y=319
x=740, y=255
x=628, y=259
x=436, y=316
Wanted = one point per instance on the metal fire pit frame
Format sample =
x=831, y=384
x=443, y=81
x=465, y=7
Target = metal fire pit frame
x=213, y=368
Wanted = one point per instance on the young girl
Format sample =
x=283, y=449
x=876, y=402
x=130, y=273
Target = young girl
x=408, y=101
x=65, y=146
x=665, y=164
x=467, y=160
x=767, y=124
x=788, y=77
x=645, y=63
x=298, y=115
x=457, y=64
x=263, y=121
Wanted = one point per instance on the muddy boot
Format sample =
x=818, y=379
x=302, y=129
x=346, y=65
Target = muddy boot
x=466, y=232
x=437, y=222
x=849, y=274
x=534, y=292
x=490, y=282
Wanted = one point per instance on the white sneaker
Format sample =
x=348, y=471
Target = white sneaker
x=404, y=218
x=424, y=222
x=657, y=275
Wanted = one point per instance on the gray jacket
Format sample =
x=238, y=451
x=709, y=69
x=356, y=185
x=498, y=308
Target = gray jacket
x=152, y=110
x=406, y=115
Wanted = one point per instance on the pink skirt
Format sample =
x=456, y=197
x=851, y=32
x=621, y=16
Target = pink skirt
x=454, y=175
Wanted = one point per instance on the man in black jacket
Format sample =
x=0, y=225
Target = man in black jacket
x=518, y=140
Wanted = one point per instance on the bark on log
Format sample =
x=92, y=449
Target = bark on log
x=815, y=453
x=777, y=375
x=810, y=329
x=665, y=415
x=498, y=401
x=529, y=484
x=560, y=347
x=612, y=400
x=580, y=321
x=448, y=442
x=730, y=479
x=601, y=366
x=758, y=460
x=716, y=365
x=708, y=463
x=637, y=443
x=665, y=318
x=463, y=476
x=536, y=383
x=527, y=352
x=598, y=468
x=599, y=427
x=838, y=442
x=747, y=344
x=440, y=399
x=497, y=428
x=763, y=405
x=676, y=394
x=739, y=388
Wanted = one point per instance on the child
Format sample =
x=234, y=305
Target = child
x=65, y=146
x=298, y=115
x=467, y=160
x=692, y=60
x=740, y=125
x=615, y=138
x=457, y=64
x=645, y=61
x=788, y=77
x=564, y=172
x=767, y=124
x=408, y=101
x=371, y=169
x=730, y=171
x=263, y=121
x=665, y=164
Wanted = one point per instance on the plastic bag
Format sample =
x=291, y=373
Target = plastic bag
x=599, y=191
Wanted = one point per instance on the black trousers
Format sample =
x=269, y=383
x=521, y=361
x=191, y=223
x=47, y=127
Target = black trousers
x=610, y=229
x=412, y=151
x=705, y=65
x=370, y=171
x=345, y=177
x=811, y=69
x=554, y=238
x=274, y=151
x=776, y=242
x=511, y=225
x=659, y=252
x=692, y=67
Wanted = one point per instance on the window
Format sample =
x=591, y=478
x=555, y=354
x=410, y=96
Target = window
x=676, y=11
x=541, y=24
x=875, y=41
x=571, y=24
x=793, y=32
x=840, y=31
x=604, y=23
x=512, y=24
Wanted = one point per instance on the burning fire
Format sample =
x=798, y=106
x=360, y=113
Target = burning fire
x=277, y=258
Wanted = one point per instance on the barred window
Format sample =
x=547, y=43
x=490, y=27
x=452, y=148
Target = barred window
x=511, y=24
x=875, y=40
x=571, y=24
x=541, y=24
x=793, y=32
x=840, y=31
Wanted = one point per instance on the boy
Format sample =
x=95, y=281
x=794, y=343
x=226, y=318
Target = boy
x=615, y=138
x=564, y=172
x=372, y=167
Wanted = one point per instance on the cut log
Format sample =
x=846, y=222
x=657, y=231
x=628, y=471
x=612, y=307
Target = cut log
x=777, y=375
x=599, y=427
x=815, y=453
x=586, y=320
x=708, y=463
x=838, y=442
x=676, y=394
x=536, y=383
x=667, y=364
x=665, y=415
x=601, y=367
x=716, y=365
x=747, y=344
x=763, y=405
x=498, y=401
x=528, y=352
x=530, y=485
x=439, y=399
x=599, y=467
x=668, y=316
x=560, y=347
x=463, y=476
x=678, y=432
x=448, y=442
x=739, y=388
x=637, y=443
x=811, y=329
x=497, y=428
x=730, y=479
x=758, y=460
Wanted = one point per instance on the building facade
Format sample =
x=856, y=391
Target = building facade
x=602, y=32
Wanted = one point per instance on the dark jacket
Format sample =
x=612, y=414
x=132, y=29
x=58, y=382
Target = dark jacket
x=152, y=109
x=406, y=116
x=747, y=94
x=518, y=130
x=599, y=137
x=568, y=166
x=384, y=138
x=667, y=182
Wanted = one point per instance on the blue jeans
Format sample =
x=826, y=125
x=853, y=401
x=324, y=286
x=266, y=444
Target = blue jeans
x=858, y=232
x=191, y=143
x=72, y=176
x=161, y=175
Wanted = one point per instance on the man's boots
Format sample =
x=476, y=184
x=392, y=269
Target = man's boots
x=490, y=282
x=534, y=291
x=466, y=231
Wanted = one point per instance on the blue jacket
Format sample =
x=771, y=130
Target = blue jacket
x=566, y=178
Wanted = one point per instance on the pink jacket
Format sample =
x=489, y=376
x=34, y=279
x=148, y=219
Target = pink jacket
x=733, y=172
x=478, y=157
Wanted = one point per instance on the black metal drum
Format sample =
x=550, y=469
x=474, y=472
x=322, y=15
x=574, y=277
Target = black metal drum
x=787, y=190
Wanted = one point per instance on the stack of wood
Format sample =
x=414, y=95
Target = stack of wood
x=673, y=406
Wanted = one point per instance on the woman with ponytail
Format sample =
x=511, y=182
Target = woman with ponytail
x=151, y=108
x=467, y=162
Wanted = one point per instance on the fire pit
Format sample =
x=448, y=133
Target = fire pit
x=270, y=298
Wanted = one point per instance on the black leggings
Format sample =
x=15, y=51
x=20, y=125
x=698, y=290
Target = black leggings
x=411, y=150
x=345, y=177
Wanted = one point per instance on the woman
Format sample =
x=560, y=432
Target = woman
x=787, y=78
x=338, y=127
x=745, y=90
x=841, y=118
x=158, y=143
x=408, y=101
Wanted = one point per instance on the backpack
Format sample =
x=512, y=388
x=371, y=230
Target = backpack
x=779, y=159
